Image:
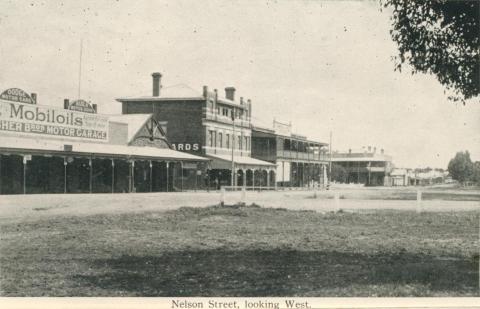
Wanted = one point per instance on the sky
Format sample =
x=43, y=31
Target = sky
x=326, y=66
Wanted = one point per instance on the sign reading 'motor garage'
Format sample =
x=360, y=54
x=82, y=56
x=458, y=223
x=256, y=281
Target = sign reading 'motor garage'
x=36, y=119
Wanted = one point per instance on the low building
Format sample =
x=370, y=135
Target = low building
x=366, y=166
x=46, y=149
x=206, y=124
x=299, y=162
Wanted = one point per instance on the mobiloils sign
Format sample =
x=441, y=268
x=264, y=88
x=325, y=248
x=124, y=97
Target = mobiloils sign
x=44, y=120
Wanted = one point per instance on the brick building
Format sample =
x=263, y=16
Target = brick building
x=207, y=124
x=46, y=149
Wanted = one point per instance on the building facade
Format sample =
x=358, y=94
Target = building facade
x=209, y=125
x=365, y=167
x=46, y=149
x=299, y=162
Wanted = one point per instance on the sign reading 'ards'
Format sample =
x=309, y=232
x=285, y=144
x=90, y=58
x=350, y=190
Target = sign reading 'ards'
x=16, y=95
x=45, y=120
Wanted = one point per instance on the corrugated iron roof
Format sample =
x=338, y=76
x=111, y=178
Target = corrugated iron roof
x=19, y=143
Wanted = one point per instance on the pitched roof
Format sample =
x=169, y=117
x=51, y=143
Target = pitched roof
x=134, y=121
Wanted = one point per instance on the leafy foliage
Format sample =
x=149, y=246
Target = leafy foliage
x=440, y=37
x=339, y=173
x=461, y=167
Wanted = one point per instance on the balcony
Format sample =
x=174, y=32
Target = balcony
x=207, y=115
x=303, y=156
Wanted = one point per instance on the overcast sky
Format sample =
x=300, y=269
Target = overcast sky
x=323, y=65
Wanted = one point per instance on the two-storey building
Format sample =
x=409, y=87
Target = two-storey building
x=207, y=124
x=365, y=166
x=299, y=162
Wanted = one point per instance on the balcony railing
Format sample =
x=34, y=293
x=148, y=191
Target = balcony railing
x=242, y=122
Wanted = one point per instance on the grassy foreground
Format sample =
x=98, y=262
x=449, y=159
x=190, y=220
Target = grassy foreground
x=242, y=251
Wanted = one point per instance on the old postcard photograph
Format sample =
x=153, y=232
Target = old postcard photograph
x=240, y=154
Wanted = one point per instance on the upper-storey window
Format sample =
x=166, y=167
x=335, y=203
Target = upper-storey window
x=227, y=140
x=225, y=112
x=220, y=140
x=211, y=138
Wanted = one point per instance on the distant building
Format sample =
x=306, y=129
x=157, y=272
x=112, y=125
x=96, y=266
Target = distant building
x=366, y=166
x=207, y=124
x=299, y=162
x=418, y=177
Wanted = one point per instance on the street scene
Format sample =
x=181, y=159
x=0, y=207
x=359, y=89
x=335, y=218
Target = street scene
x=225, y=149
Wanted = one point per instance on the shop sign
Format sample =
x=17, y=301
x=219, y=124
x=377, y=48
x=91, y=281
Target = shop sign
x=16, y=95
x=186, y=146
x=81, y=106
x=282, y=129
x=35, y=119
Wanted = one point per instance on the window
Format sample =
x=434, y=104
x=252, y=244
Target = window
x=210, y=138
x=227, y=141
x=245, y=142
x=239, y=142
x=220, y=140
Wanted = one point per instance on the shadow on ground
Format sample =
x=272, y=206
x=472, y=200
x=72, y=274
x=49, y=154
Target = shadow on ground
x=278, y=273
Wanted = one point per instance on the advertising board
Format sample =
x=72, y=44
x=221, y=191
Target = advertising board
x=29, y=119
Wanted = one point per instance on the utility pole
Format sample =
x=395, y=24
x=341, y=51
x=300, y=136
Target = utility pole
x=80, y=69
x=232, y=183
x=330, y=162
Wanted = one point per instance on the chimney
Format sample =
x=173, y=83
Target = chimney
x=374, y=149
x=205, y=91
x=230, y=93
x=349, y=150
x=382, y=151
x=34, y=97
x=216, y=94
x=241, y=100
x=156, y=84
x=66, y=103
x=94, y=106
x=369, y=148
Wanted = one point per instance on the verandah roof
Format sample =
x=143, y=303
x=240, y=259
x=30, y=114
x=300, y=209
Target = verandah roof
x=50, y=145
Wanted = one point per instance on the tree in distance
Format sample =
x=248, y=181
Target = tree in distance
x=439, y=37
x=461, y=167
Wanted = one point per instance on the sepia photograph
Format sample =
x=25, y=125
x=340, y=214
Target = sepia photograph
x=274, y=153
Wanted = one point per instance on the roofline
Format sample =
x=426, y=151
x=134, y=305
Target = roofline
x=160, y=99
x=154, y=99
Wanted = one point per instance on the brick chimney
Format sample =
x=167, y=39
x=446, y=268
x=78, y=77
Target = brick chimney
x=156, y=78
x=230, y=93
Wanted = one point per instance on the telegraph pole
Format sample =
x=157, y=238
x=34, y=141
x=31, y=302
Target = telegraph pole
x=330, y=161
x=80, y=69
x=233, y=147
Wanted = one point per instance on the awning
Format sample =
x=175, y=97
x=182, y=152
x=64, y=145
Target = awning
x=57, y=146
x=225, y=162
